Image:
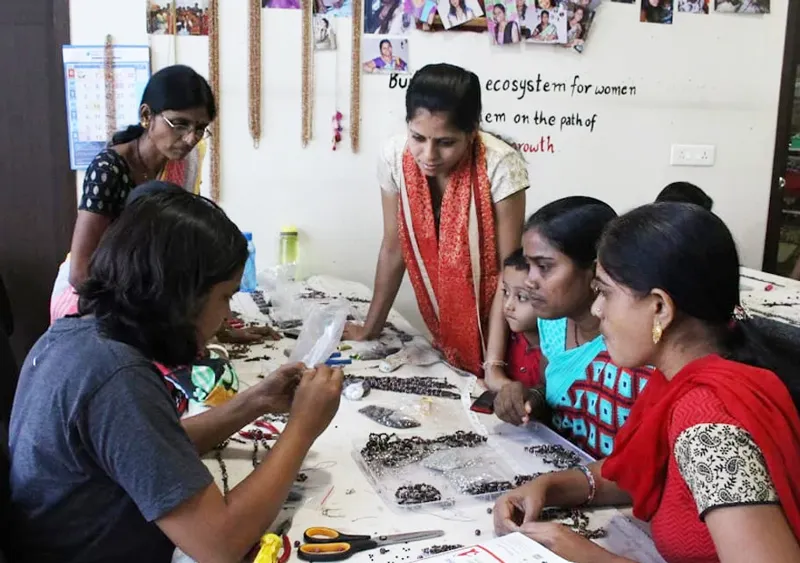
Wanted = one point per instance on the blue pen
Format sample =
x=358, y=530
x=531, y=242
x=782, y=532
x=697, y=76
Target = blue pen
x=339, y=362
x=335, y=355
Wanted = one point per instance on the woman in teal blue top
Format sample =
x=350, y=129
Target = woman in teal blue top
x=589, y=397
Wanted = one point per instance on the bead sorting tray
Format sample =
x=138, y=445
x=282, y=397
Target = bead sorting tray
x=458, y=474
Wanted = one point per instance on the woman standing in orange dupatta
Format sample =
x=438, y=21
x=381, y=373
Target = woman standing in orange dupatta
x=176, y=110
x=453, y=207
x=711, y=451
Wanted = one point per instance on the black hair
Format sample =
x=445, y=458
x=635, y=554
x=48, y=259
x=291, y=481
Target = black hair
x=154, y=187
x=689, y=253
x=386, y=22
x=380, y=45
x=151, y=274
x=685, y=192
x=517, y=261
x=446, y=88
x=461, y=4
x=544, y=12
x=498, y=5
x=573, y=226
x=174, y=88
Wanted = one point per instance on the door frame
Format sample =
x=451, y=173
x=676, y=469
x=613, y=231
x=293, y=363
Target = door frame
x=791, y=60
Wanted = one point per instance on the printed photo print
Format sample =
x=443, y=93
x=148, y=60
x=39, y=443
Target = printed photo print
x=742, y=6
x=693, y=6
x=160, y=18
x=191, y=17
x=384, y=55
x=457, y=12
x=334, y=8
x=324, y=33
x=656, y=11
x=281, y=4
x=386, y=17
x=422, y=10
x=503, y=22
x=579, y=22
x=550, y=22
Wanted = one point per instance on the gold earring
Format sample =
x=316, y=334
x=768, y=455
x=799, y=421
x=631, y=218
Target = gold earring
x=657, y=331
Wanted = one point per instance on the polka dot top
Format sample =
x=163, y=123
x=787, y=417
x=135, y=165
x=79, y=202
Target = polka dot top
x=107, y=184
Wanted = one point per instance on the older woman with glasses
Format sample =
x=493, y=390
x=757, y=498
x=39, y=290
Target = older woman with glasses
x=177, y=108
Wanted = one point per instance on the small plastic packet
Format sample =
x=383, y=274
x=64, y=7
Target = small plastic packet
x=321, y=334
x=449, y=460
x=355, y=389
x=477, y=480
x=390, y=418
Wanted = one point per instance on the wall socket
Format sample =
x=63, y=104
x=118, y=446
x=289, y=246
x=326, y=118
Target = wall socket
x=692, y=155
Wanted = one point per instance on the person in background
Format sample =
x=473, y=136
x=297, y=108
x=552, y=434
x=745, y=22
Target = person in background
x=711, y=451
x=589, y=395
x=505, y=31
x=176, y=110
x=685, y=192
x=524, y=357
x=101, y=468
x=443, y=171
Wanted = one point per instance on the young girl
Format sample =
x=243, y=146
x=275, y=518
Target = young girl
x=101, y=468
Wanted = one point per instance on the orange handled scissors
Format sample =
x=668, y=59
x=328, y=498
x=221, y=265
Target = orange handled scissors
x=327, y=544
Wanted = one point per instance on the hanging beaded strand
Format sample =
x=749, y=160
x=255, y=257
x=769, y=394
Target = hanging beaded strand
x=110, y=87
x=213, y=71
x=355, y=77
x=308, y=72
x=255, y=71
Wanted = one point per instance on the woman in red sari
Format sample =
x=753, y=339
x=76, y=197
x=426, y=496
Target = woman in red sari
x=710, y=454
x=453, y=207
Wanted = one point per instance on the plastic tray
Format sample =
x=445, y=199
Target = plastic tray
x=484, y=464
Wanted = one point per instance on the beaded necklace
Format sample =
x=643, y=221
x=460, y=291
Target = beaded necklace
x=255, y=71
x=213, y=71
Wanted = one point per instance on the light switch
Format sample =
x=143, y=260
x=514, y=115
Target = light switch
x=692, y=155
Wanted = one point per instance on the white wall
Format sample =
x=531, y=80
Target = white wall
x=704, y=80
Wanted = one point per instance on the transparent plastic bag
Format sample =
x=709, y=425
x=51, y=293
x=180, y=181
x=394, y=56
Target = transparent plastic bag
x=449, y=460
x=321, y=333
x=477, y=481
x=388, y=417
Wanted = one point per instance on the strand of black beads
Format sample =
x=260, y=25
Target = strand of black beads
x=488, y=487
x=417, y=494
x=255, y=454
x=520, y=480
x=223, y=469
x=556, y=455
x=437, y=549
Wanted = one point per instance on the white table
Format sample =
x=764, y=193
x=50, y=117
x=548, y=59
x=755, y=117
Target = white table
x=337, y=494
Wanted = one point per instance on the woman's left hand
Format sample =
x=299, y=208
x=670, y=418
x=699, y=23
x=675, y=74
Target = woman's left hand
x=278, y=387
x=567, y=544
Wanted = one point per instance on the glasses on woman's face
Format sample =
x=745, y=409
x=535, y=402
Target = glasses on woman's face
x=184, y=129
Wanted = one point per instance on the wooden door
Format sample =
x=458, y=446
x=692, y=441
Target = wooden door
x=37, y=187
x=782, y=244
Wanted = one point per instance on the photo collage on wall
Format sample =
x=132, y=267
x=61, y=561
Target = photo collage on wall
x=661, y=11
x=547, y=22
x=187, y=17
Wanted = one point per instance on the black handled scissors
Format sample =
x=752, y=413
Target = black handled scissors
x=327, y=544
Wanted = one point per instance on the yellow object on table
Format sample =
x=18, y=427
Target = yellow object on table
x=271, y=546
